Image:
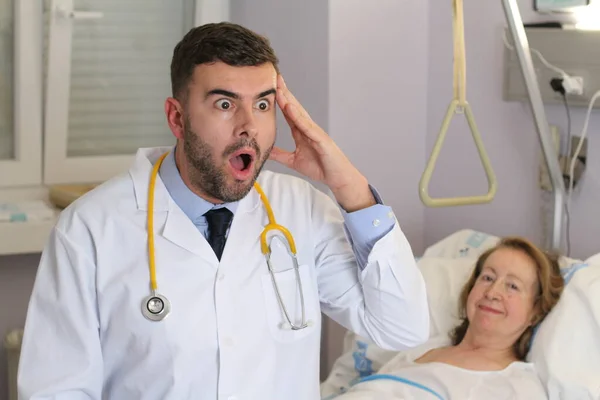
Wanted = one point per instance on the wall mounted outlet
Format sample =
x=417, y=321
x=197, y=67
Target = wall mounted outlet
x=573, y=50
x=573, y=85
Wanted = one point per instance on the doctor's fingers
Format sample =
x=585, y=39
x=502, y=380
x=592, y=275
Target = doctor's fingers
x=299, y=121
x=298, y=126
x=284, y=97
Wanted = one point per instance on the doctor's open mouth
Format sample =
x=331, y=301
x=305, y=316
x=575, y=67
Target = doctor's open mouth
x=242, y=163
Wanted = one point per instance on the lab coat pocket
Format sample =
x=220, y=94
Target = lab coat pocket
x=282, y=292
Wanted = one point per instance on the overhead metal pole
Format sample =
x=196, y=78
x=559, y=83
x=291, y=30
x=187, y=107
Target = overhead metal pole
x=515, y=24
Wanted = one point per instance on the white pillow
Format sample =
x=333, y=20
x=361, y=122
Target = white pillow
x=566, y=347
x=465, y=243
x=444, y=279
x=595, y=259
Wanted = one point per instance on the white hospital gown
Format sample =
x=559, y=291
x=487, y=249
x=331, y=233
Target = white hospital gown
x=518, y=381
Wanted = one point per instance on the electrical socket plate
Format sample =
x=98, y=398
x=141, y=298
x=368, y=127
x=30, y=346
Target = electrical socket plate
x=574, y=51
x=545, y=182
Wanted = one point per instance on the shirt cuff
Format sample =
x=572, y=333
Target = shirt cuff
x=365, y=227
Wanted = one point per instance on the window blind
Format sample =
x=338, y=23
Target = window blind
x=120, y=74
x=7, y=135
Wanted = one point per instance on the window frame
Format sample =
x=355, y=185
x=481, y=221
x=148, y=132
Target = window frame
x=25, y=168
x=58, y=168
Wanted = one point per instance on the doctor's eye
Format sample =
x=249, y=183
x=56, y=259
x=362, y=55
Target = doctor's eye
x=263, y=105
x=224, y=104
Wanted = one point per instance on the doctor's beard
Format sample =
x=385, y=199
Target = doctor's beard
x=209, y=176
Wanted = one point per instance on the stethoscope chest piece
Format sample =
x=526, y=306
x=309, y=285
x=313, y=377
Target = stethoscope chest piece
x=156, y=307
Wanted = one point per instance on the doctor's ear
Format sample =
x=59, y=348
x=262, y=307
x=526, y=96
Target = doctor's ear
x=175, y=117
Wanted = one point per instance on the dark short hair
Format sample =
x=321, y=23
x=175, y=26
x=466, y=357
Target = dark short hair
x=224, y=41
x=549, y=289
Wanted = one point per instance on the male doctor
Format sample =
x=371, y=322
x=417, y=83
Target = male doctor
x=93, y=332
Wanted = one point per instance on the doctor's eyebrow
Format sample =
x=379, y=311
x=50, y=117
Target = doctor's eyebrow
x=266, y=93
x=232, y=95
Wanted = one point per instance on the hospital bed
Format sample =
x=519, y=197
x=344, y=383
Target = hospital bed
x=565, y=348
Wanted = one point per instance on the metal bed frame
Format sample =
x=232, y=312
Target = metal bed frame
x=515, y=25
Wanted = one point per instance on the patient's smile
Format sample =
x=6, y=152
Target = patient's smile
x=490, y=310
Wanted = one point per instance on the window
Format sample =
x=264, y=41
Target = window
x=84, y=87
x=20, y=94
x=108, y=77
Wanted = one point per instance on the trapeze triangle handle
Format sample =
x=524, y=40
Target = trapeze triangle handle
x=456, y=107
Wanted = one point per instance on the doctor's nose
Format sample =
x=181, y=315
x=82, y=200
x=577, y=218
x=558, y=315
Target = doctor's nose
x=246, y=124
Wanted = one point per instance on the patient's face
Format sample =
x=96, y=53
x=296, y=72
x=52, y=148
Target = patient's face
x=502, y=299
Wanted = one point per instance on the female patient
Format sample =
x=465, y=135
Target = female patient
x=513, y=287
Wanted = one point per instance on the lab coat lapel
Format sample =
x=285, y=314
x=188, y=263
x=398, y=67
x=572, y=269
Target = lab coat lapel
x=244, y=234
x=182, y=232
x=177, y=227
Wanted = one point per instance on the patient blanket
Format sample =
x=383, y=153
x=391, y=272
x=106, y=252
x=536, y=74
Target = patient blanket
x=403, y=378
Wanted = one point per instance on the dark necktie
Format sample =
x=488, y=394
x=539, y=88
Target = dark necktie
x=218, y=222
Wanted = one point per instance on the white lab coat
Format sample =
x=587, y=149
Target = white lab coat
x=85, y=336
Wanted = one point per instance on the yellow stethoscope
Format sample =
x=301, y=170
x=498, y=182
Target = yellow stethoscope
x=156, y=306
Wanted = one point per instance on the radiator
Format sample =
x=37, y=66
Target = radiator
x=12, y=344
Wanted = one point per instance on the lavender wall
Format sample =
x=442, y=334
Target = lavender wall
x=378, y=105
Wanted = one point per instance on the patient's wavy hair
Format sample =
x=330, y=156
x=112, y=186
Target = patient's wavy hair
x=550, y=286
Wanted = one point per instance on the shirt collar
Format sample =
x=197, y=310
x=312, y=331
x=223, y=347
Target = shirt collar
x=190, y=203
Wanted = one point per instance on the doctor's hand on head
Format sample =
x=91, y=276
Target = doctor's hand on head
x=318, y=157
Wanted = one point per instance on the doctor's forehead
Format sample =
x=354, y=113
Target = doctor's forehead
x=246, y=81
